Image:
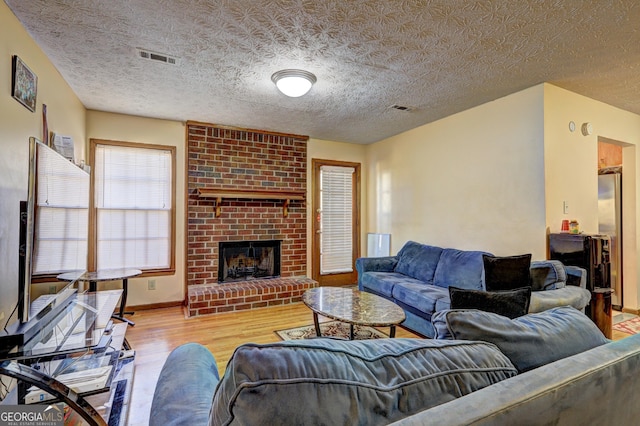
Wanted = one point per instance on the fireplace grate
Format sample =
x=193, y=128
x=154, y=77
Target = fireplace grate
x=248, y=260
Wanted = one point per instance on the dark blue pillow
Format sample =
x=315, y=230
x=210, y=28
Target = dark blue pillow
x=506, y=273
x=509, y=303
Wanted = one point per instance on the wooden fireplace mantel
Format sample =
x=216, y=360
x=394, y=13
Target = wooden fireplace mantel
x=250, y=194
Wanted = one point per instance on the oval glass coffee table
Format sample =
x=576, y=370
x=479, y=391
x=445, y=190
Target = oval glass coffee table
x=353, y=307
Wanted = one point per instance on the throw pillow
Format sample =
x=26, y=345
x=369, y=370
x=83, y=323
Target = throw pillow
x=506, y=273
x=529, y=341
x=510, y=303
x=337, y=382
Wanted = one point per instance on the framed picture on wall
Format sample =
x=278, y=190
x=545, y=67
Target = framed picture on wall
x=24, y=84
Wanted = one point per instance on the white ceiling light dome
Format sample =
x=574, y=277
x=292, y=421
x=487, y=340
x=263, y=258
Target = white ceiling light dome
x=293, y=83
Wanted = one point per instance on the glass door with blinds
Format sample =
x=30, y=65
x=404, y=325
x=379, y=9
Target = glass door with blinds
x=336, y=222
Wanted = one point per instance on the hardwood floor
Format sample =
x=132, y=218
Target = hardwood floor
x=157, y=332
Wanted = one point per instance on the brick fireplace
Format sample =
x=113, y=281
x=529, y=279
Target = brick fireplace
x=245, y=185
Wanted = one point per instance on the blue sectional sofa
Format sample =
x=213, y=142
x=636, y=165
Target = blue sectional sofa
x=553, y=367
x=419, y=276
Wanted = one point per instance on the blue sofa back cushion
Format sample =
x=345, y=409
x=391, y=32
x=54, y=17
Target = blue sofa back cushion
x=418, y=261
x=337, y=382
x=529, y=341
x=460, y=268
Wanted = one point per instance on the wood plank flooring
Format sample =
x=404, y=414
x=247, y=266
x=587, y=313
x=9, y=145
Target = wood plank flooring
x=158, y=331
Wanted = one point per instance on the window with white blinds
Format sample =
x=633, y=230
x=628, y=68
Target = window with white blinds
x=61, y=214
x=133, y=193
x=336, y=219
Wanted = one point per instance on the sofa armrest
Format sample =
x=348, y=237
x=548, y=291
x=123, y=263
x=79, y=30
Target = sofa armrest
x=570, y=391
x=570, y=295
x=184, y=393
x=376, y=264
x=576, y=276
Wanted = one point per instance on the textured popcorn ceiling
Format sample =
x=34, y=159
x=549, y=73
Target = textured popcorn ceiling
x=438, y=57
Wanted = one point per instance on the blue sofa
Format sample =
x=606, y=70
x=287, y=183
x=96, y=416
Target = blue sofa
x=575, y=376
x=418, y=279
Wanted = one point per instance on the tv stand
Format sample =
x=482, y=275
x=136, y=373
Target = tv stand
x=81, y=339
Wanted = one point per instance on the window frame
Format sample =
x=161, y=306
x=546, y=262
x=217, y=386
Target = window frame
x=335, y=279
x=93, y=211
x=38, y=147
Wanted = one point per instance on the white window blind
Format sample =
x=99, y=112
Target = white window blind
x=133, y=191
x=336, y=227
x=62, y=214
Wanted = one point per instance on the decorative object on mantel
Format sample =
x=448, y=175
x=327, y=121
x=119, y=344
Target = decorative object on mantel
x=250, y=194
x=24, y=84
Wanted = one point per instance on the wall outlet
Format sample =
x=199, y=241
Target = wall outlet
x=1, y=315
x=565, y=207
x=151, y=284
x=53, y=289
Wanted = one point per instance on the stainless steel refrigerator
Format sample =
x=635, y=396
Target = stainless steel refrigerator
x=610, y=223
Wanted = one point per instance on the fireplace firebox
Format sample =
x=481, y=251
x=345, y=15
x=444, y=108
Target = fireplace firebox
x=248, y=260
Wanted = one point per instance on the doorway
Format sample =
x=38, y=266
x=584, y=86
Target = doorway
x=336, y=222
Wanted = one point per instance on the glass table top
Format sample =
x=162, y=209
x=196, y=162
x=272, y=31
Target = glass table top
x=353, y=306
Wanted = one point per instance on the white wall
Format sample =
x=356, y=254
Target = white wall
x=473, y=180
x=329, y=150
x=66, y=115
x=103, y=125
x=571, y=162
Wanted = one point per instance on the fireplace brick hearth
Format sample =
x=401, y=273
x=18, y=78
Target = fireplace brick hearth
x=221, y=158
x=213, y=299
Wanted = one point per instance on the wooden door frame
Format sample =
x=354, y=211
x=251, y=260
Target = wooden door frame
x=316, y=164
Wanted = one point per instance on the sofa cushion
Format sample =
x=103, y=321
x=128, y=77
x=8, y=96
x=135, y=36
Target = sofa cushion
x=547, y=275
x=335, y=382
x=418, y=261
x=508, y=303
x=420, y=297
x=459, y=268
x=382, y=283
x=529, y=341
x=506, y=272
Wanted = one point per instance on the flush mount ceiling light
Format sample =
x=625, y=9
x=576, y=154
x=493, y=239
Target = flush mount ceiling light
x=293, y=83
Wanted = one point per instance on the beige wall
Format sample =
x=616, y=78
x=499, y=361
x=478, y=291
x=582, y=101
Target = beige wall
x=571, y=161
x=66, y=115
x=103, y=125
x=329, y=150
x=473, y=180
